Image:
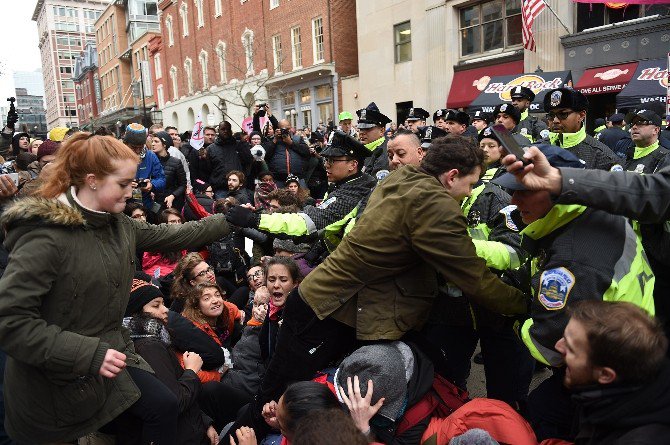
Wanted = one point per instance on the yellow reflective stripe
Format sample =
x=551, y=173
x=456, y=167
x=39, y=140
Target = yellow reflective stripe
x=293, y=224
x=495, y=253
x=540, y=353
x=466, y=205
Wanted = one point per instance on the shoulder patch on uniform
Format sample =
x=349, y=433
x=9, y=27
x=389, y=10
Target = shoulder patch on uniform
x=555, y=287
x=617, y=168
x=381, y=174
x=509, y=222
x=327, y=202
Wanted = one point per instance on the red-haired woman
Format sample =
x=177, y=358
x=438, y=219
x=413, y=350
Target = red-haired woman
x=71, y=368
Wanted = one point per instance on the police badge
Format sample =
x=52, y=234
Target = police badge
x=555, y=98
x=363, y=114
x=503, y=108
x=438, y=113
x=639, y=168
x=429, y=133
x=411, y=112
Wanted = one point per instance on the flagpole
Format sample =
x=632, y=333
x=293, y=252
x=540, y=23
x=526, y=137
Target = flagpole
x=546, y=3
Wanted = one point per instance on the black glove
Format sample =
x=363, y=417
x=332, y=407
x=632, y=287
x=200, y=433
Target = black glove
x=242, y=217
x=12, y=119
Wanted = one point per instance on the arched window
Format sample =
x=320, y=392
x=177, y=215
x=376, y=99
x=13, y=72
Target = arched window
x=248, y=44
x=221, y=55
x=200, y=13
x=173, y=78
x=183, y=12
x=170, y=33
x=203, y=66
x=188, y=69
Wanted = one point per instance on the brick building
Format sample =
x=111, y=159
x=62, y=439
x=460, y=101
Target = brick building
x=225, y=56
x=87, y=86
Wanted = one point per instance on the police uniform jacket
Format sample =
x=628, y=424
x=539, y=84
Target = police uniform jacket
x=580, y=253
x=378, y=161
x=611, y=136
x=339, y=201
x=594, y=153
x=382, y=278
x=532, y=125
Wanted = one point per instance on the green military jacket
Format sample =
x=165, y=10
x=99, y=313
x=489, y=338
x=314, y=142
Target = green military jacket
x=62, y=299
x=382, y=278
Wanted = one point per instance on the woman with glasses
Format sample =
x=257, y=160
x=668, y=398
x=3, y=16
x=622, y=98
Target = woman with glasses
x=160, y=263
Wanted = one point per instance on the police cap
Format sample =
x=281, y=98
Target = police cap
x=341, y=144
x=509, y=110
x=481, y=116
x=519, y=92
x=370, y=117
x=428, y=134
x=644, y=116
x=457, y=116
x=565, y=98
x=488, y=134
x=417, y=114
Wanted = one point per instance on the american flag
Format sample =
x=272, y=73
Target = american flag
x=529, y=11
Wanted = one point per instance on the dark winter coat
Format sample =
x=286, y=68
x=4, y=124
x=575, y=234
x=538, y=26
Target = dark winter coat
x=625, y=414
x=62, y=299
x=612, y=137
x=175, y=182
x=285, y=159
x=248, y=366
x=188, y=337
x=223, y=156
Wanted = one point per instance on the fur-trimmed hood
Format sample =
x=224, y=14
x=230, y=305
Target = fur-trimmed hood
x=43, y=210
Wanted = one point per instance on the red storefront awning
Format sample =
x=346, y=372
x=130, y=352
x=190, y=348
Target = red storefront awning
x=606, y=79
x=467, y=84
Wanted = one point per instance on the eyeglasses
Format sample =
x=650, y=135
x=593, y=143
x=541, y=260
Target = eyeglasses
x=257, y=274
x=330, y=161
x=204, y=272
x=561, y=115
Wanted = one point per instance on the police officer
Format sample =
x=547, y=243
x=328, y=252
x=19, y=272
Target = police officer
x=454, y=121
x=643, y=151
x=613, y=135
x=566, y=113
x=416, y=118
x=509, y=117
x=429, y=133
x=371, y=125
x=343, y=158
x=600, y=124
x=529, y=126
x=480, y=120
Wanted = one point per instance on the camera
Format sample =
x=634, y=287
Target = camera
x=282, y=132
x=141, y=183
x=262, y=109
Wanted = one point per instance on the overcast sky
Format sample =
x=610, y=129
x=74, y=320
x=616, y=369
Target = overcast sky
x=19, y=40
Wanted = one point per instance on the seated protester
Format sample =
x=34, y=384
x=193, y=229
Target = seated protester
x=328, y=427
x=287, y=248
x=191, y=270
x=265, y=185
x=172, y=196
x=248, y=367
x=243, y=297
x=207, y=310
x=136, y=211
x=146, y=319
x=203, y=194
x=160, y=264
x=278, y=201
x=293, y=186
x=299, y=400
x=578, y=253
x=344, y=160
x=399, y=374
x=281, y=277
x=617, y=373
x=236, y=187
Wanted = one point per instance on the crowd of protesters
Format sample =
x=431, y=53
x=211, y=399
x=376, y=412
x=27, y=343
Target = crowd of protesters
x=330, y=285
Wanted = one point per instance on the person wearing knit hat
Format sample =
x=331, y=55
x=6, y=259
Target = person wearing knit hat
x=58, y=134
x=46, y=152
x=135, y=136
x=141, y=293
x=150, y=174
x=398, y=375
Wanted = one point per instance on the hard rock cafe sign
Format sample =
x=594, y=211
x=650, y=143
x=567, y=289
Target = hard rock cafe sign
x=532, y=81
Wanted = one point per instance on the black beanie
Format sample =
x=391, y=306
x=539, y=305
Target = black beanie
x=165, y=138
x=141, y=293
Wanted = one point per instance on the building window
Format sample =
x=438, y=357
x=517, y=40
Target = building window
x=488, y=26
x=403, y=42
x=173, y=78
x=161, y=97
x=276, y=52
x=183, y=12
x=157, y=66
x=317, y=39
x=203, y=67
x=188, y=70
x=221, y=55
x=274, y=4
x=248, y=44
x=200, y=13
x=168, y=26
x=296, y=48
x=217, y=8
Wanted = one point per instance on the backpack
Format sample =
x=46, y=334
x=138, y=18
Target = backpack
x=441, y=400
x=224, y=257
